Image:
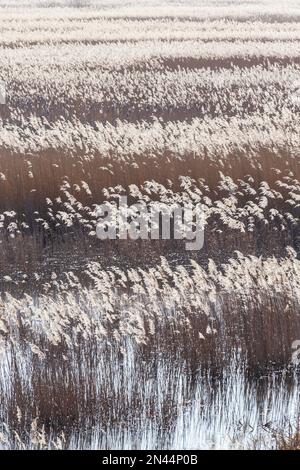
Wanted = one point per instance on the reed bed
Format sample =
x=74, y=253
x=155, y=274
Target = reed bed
x=105, y=367
x=126, y=344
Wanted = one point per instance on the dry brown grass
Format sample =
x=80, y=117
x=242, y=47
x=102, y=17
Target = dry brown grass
x=105, y=344
x=25, y=193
